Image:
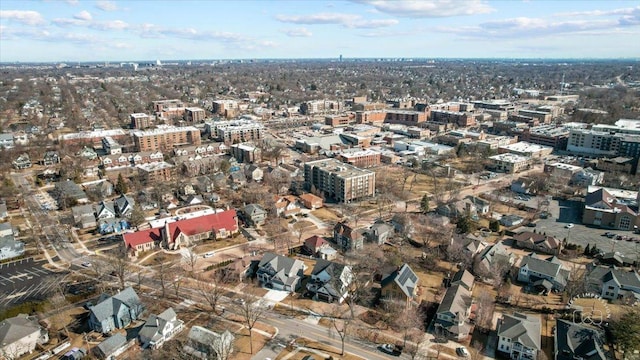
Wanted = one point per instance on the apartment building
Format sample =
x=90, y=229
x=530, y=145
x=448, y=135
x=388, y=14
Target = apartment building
x=246, y=153
x=235, y=131
x=225, y=108
x=526, y=149
x=542, y=116
x=165, y=137
x=160, y=105
x=405, y=117
x=337, y=120
x=140, y=121
x=111, y=146
x=157, y=172
x=340, y=181
x=194, y=115
x=360, y=158
x=368, y=117
x=320, y=106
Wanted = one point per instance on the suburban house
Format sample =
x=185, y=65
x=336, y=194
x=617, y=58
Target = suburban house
x=123, y=205
x=311, y=201
x=68, y=190
x=348, y=238
x=471, y=206
x=492, y=257
x=280, y=272
x=602, y=208
x=379, y=232
x=253, y=173
x=254, y=214
x=83, y=217
x=177, y=233
x=105, y=210
x=160, y=328
x=511, y=220
x=318, y=247
x=113, y=346
x=519, y=336
x=115, y=312
x=22, y=162
x=469, y=244
x=544, y=274
x=330, y=281
x=462, y=277
x=452, y=316
x=19, y=335
x=205, y=344
x=50, y=158
x=578, y=341
x=287, y=205
x=401, y=284
x=538, y=242
x=614, y=283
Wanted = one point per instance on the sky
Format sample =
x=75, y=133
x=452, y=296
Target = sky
x=143, y=30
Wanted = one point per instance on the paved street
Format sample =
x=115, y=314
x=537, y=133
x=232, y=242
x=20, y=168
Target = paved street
x=24, y=279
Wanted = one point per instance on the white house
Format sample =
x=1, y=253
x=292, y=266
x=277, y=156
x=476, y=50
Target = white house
x=160, y=328
x=519, y=336
x=19, y=335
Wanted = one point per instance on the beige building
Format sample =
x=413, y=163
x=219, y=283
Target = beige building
x=194, y=115
x=526, y=149
x=510, y=163
x=340, y=181
x=156, y=172
x=140, y=120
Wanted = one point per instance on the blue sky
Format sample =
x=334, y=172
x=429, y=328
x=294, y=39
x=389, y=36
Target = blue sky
x=83, y=30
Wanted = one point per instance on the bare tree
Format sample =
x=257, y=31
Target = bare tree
x=177, y=284
x=162, y=274
x=223, y=346
x=190, y=257
x=210, y=290
x=341, y=323
x=404, y=317
x=120, y=265
x=251, y=312
x=484, y=311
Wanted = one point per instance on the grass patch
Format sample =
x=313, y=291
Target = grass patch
x=329, y=350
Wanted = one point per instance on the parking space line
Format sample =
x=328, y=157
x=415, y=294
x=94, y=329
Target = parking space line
x=32, y=273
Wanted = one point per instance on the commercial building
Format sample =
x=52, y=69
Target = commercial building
x=526, y=149
x=340, y=181
x=462, y=119
x=603, y=208
x=165, y=137
x=510, y=163
x=542, y=116
x=547, y=135
x=140, y=121
x=405, y=117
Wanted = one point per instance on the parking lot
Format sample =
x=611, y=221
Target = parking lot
x=564, y=212
x=25, y=279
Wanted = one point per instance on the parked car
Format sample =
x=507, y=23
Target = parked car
x=462, y=351
x=209, y=254
x=532, y=224
x=391, y=349
x=86, y=264
x=568, y=226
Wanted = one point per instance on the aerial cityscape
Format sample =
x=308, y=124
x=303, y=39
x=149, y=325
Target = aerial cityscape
x=363, y=179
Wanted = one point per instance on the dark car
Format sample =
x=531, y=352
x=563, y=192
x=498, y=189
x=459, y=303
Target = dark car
x=532, y=224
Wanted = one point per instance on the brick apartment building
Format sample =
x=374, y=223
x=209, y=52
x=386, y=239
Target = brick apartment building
x=140, y=121
x=165, y=137
x=462, y=119
x=194, y=115
x=339, y=181
x=236, y=131
x=360, y=158
x=153, y=173
x=225, y=108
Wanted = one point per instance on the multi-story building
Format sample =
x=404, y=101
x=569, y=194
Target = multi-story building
x=622, y=126
x=548, y=135
x=510, y=163
x=165, y=137
x=600, y=143
x=340, y=181
x=157, y=172
x=246, y=153
x=161, y=105
x=498, y=104
x=603, y=208
x=367, y=117
x=225, y=108
x=337, y=120
x=519, y=336
x=542, y=116
x=194, y=115
x=140, y=121
x=462, y=119
x=405, y=117
x=111, y=146
x=360, y=158
x=526, y=149
x=235, y=131
x=320, y=106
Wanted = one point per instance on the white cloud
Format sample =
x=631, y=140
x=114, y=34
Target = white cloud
x=27, y=17
x=106, y=5
x=83, y=15
x=72, y=2
x=109, y=25
x=429, y=8
x=346, y=20
x=297, y=32
x=622, y=11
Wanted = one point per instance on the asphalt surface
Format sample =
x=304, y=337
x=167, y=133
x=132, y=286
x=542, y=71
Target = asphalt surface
x=25, y=279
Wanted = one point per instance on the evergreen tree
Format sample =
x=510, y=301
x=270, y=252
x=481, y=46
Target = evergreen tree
x=424, y=204
x=587, y=250
x=121, y=186
x=494, y=225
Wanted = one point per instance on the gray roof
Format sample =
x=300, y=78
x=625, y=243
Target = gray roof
x=521, y=328
x=156, y=323
x=456, y=300
x=105, y=205
x=626, y=278
x=253, y=209
x=405, y=279
x=286, y=268
x=574, y=341
x=335, y=271
x=71, y=189
x=82, y=210
x=122, y=202
x=545, y=267
x=16, y=328
x=113, y=343
x=109, y=306
x=464, y=278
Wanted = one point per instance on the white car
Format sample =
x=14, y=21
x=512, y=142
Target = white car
x=568, y=226
x=86, y=264
x=209, y=254
x=462, y=351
